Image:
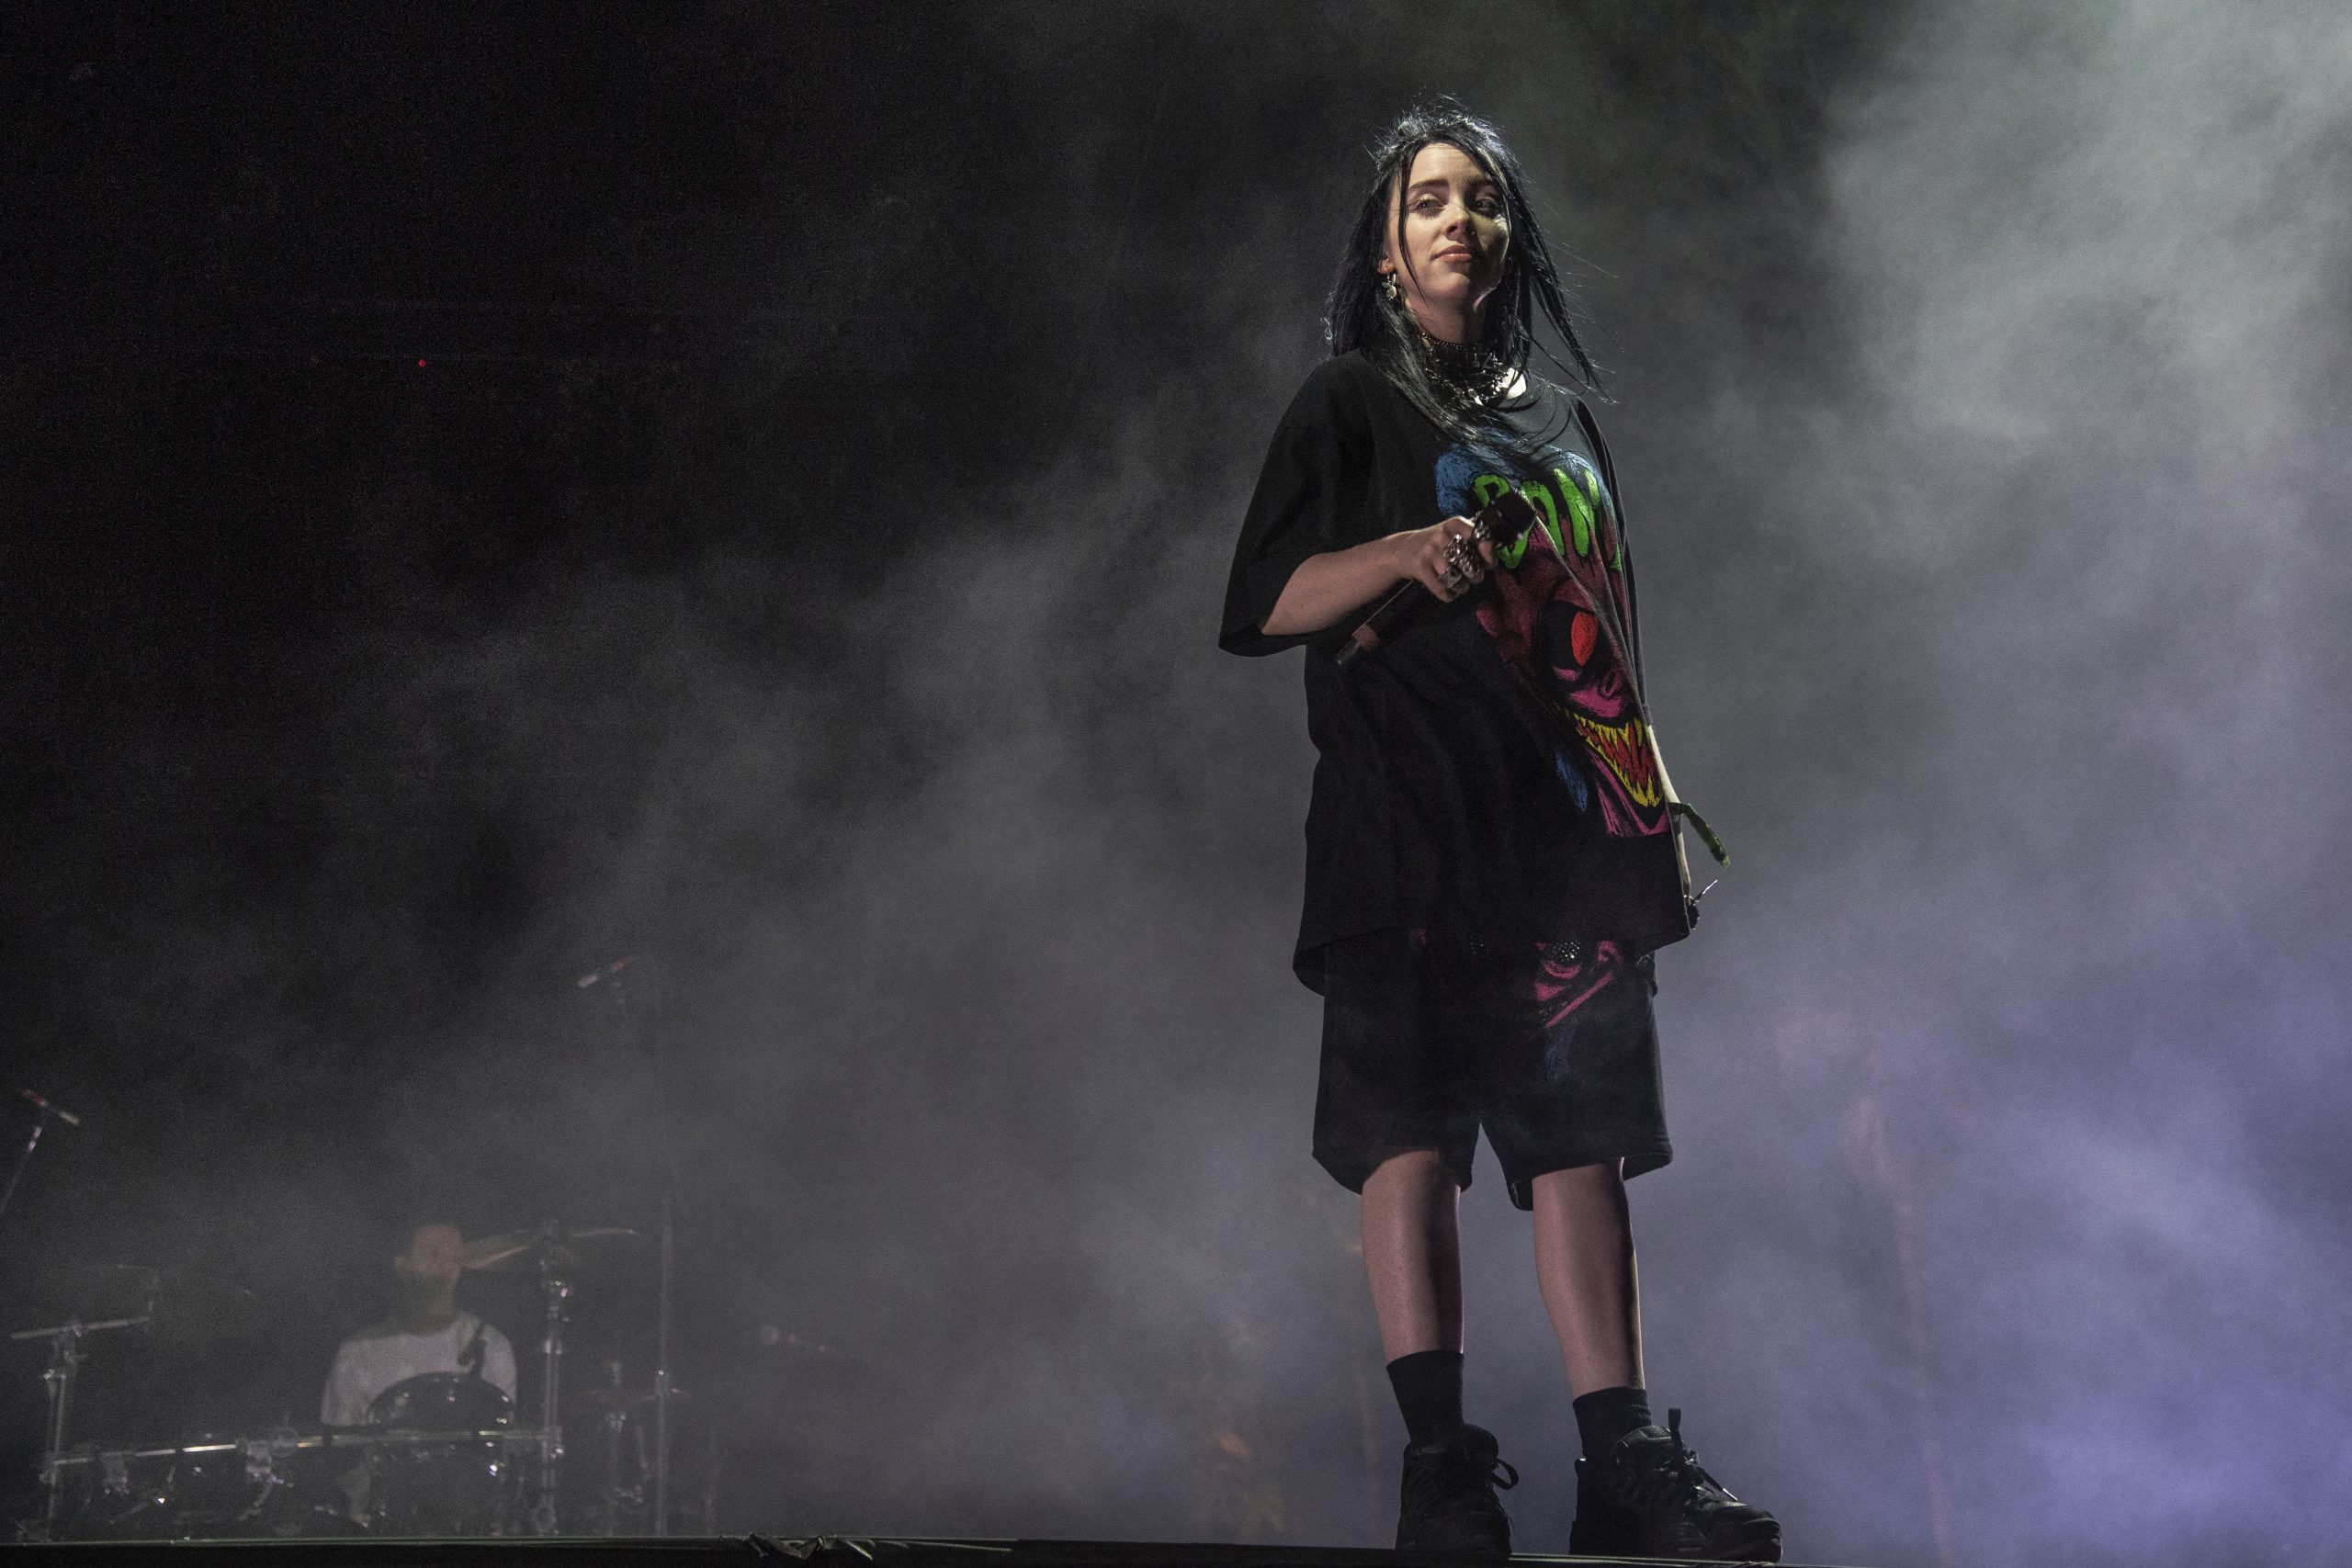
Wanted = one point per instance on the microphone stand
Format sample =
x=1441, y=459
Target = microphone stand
x=664, y=1311
x=40, y=1125
x=556, y=1290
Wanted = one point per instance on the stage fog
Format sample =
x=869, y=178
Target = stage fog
x=753, y=500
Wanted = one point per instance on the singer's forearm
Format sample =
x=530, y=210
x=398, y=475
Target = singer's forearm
x=1326, y=589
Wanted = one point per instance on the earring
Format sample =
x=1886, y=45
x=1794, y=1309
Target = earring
x=1388, y=287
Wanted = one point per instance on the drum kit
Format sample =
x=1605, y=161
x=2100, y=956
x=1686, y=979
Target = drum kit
x=440, y=1454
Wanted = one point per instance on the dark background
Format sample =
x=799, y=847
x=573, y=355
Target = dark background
x=749, y=486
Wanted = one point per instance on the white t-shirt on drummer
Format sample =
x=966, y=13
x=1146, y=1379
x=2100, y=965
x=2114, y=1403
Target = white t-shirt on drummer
x=380, y=1355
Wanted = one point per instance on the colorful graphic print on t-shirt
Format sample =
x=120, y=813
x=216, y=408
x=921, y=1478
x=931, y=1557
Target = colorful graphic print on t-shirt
x=1543, y=621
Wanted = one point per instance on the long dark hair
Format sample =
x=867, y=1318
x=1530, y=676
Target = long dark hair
x=1358, y=315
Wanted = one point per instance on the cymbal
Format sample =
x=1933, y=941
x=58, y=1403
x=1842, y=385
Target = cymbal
x=178, y=1302
x=627, y=1395
x=559, y=1248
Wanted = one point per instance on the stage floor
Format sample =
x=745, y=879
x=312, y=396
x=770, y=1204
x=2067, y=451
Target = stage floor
x=718, y=1552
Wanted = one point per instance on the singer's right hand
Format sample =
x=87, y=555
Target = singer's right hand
x=1325, y=589
x=1446, y=558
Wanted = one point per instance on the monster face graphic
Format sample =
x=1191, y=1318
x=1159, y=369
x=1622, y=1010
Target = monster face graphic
x=1542, y=617
x=1569, y=974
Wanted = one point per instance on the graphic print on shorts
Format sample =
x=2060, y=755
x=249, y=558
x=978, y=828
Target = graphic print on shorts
x=1542, y=990
x=1568, y=975
x=1541, y=619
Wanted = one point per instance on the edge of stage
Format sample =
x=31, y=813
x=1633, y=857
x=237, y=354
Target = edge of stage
x=818, y=1551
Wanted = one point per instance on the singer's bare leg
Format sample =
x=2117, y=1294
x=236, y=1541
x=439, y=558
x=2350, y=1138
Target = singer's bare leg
x=1412, y=1253
x=1584, y=1262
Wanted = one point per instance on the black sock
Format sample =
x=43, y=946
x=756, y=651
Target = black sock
x=1607, y=1413
x=1429, y=1390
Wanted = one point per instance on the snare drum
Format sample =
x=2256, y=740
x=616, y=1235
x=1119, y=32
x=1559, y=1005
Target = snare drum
x=442, y=1468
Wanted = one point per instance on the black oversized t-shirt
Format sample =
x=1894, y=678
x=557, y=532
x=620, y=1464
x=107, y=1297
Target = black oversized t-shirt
x=1489, y=771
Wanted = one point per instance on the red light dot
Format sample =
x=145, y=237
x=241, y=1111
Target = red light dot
x=420, y=364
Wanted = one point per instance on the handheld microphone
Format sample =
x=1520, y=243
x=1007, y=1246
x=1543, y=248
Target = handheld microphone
x=1503, y=523
x=51, y=1108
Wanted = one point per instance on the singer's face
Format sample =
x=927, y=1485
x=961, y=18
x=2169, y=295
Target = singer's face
x=436, y=1256
x=1448, y=235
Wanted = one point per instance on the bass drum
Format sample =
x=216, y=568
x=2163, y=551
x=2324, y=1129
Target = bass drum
x=450, y=1479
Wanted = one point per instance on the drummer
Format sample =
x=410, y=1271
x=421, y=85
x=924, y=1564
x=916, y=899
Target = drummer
x=428, y=1334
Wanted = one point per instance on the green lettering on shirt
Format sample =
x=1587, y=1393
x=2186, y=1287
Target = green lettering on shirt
x=1540, y=495
x=1580, y=508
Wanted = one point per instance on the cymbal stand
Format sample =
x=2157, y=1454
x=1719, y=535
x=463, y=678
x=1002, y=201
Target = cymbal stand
x=65, y=1358
x=557, y=1290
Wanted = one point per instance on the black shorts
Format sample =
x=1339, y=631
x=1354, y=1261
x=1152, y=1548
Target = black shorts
x=1551, y=1047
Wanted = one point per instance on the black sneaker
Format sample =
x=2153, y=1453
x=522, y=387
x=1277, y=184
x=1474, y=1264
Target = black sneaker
x=1648, y=1498
x=1448, y=1503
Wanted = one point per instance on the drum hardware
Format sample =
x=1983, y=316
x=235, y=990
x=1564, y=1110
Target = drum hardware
x=615, y=1423
x=440, y=1479
x=611, y=1406
x=557, y=1291
x=262, y=1479
x=275, y=1450
x=550, y=1247
x=433, y=1467
x=615, y=1398
x=97, y=1299
x=65, y=1358
x=441, y=1460
x=439, y=1465
x=261, y=1463
x=555, y=1251
x=643, y=1018
x=185, y=1305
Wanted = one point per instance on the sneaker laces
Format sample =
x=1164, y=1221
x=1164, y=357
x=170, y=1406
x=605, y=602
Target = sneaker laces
x=1654, y=1482
x=1496, y=1471
x=1489, y=1467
